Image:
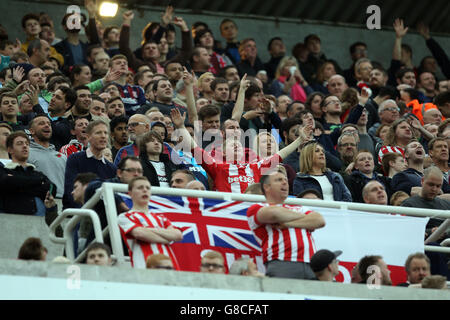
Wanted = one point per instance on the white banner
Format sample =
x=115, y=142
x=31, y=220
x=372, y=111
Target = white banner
x=357, y=234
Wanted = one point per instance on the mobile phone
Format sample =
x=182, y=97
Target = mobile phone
x=409, y=114
x=51, y=189
x=292, y=70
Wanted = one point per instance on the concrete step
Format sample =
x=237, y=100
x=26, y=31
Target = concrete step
x=15, y=229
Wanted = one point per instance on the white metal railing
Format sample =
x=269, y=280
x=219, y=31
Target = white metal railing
x=68, y=229
x=106, y=192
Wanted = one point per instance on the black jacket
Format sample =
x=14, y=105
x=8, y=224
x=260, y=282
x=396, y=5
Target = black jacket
x=244, y=67
x=356, y=182
x=150, y=171
x=20, y=186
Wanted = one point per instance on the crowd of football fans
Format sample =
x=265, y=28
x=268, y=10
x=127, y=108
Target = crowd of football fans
x=208, y=114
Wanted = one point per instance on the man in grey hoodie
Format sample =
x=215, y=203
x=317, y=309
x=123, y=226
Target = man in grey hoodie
x=44, y=156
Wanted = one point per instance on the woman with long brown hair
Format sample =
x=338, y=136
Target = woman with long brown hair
x=399, y=135
x=325, y=71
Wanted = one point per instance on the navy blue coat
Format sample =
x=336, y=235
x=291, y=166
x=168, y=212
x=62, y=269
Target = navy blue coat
x=340, y=191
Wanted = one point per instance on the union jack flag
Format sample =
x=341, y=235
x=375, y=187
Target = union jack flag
x=207, y=224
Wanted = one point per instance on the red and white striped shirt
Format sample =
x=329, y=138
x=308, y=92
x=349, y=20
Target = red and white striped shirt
x=387, y=149
x=72, y=147
x=289, y=244
x=234, y=177
x=139, y=250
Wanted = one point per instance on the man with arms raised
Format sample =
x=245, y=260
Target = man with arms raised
x=284, y=231
x=232, y=173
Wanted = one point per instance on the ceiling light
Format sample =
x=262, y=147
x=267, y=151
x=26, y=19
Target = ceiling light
x=108, y=9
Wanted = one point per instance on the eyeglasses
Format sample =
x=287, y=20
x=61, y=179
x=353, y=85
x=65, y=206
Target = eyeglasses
x=211, y=265
x=347, y=145
x=135, y=124
x=391, y=109
x=133, y=170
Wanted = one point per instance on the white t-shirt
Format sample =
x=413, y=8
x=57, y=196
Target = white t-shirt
x=327, y=188
x=161, y=172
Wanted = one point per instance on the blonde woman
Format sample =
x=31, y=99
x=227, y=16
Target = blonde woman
x=315, y=175
x=289, y=80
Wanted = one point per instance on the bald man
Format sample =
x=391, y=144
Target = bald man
x=433, y=116
x=374, y=193
x=137, y=126
x=195, y=185
x=431, y=188
x=337, y=85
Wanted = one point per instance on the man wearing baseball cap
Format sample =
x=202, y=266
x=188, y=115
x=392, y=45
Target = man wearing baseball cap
x=325, y=265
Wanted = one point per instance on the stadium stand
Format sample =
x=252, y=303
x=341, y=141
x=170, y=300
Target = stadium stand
x=203, y=140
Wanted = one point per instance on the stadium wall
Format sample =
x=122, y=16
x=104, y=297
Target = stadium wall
x=45, y=280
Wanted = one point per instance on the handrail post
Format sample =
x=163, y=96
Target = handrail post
x=68, y=235
x=438, y=232
x=111, y=215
